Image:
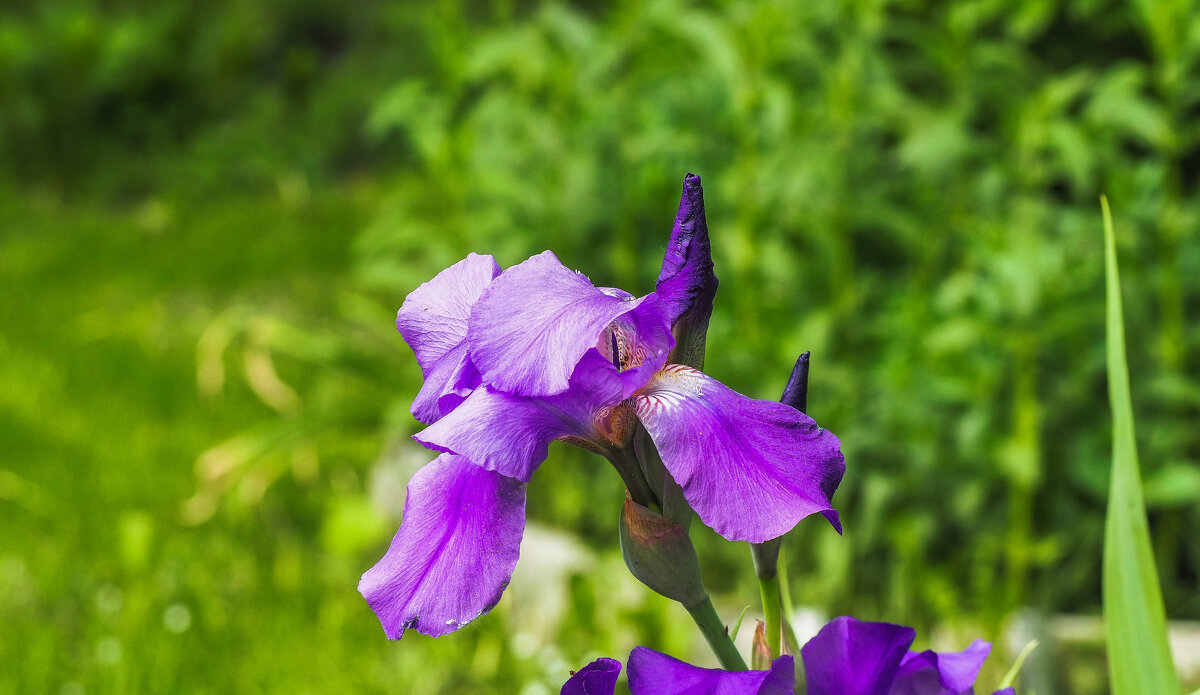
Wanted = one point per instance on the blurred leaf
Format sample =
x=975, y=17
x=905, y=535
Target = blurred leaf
x=1139, y=658
x=1174, y=485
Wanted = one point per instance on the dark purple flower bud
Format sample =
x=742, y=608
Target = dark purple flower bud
x=660, y=554
x=686, y=282
x=795, y=393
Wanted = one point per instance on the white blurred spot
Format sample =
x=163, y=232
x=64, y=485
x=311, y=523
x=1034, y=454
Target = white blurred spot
x=177, y=618
x=108, y=651
x=109, y=599
x=524, y=645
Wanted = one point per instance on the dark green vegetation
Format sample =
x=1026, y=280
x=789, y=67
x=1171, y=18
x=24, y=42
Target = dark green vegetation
x=210, y=211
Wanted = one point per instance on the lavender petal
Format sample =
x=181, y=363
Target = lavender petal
x=455, y=550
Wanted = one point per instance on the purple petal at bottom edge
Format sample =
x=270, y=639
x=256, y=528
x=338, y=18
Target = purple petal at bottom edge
x=597, y=678
x=931, y=673
x=751, y=469
x=652, y=673
x=854, y=657
x=455, y=550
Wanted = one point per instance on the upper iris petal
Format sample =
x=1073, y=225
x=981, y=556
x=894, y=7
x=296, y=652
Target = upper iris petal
x=535, y=322
x=433, y=320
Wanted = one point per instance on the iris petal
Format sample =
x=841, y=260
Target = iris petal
x=597, y=678
x=536, y=321
x=433, y=320
x=651, y=673
x=930, y=673
x=852, y=657
x=455, y=550
x=751, y=469
x=511, y=434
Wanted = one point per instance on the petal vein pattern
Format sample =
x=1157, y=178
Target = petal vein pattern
x=751, y=469
x=536, y=321
x=455, y=550
x=433, y=321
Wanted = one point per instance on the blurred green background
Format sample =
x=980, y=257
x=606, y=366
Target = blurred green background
x=210, y=211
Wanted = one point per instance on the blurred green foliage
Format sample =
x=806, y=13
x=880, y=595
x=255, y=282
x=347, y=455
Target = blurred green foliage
x=210, y=212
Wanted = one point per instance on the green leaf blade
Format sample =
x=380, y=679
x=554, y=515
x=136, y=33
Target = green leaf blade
x=1139, y=657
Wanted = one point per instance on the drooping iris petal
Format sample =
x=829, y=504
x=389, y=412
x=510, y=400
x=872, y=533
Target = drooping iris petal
x=433, y=320
x=511, y=434
x=853, y=657
x=686, y=282
x=597, y=678
x=930, y=673
x=535, y=322
x=455, y=550
x=751, y=469
x=651, y=673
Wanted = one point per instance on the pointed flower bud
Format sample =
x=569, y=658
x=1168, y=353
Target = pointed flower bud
x=687, y=283
x=795, y=393
x=760, y=653
x=660, y=554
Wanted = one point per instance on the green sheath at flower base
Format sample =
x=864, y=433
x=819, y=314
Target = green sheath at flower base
x=659, y=552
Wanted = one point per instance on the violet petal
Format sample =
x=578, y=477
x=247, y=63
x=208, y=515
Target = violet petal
x=853, y=657
x=433, y=320
x=751, y=469
x=537, y=320
x=511, y=434
x=455, y=550
x=652, y=673
x=597, y=678
x=930, y=673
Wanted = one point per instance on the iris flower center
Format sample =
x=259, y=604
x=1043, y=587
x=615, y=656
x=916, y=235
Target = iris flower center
x=619, y=345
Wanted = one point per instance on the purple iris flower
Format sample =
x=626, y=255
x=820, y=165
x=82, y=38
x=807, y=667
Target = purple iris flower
x=652, y=673
x=847, y=657
x=854, y=657
x=515, y=360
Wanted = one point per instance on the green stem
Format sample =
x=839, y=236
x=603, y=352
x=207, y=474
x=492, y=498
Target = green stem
x=769, y=588
x=625, y=461
x=717, y=636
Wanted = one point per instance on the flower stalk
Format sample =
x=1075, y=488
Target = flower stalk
x=717, y=636
x=766, y=555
